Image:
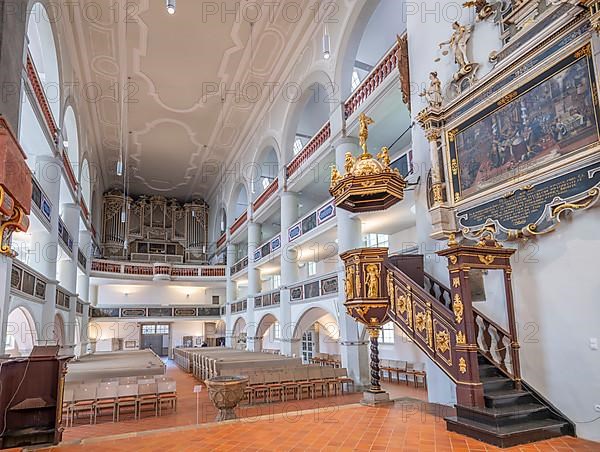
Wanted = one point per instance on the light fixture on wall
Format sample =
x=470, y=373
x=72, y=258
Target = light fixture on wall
x=326, y=44
x=171, y=5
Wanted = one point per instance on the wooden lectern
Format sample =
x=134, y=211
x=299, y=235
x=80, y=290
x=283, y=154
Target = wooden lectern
x=31, y=398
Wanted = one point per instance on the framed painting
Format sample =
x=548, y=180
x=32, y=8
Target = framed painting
x=547, y=119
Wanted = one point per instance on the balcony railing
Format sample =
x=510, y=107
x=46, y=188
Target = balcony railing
x=267, y=248
x=239, y=265
x=63, y=298
x=315, y=288
x=38, y=90
x=267, y=299
x=64, y=235
x=312, y=221
x=69, y=171
x=84, y=209
x=239, y=306
x=311, y=147
x=264, y=197
x=375, y=78
x=221, y=240
x=81, y=259
x=159, y=271
x=41, y=201
x=239, y=222
x=152, y=311
x=26, y=281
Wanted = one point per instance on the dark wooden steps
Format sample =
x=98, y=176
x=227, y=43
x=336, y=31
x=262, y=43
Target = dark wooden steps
x=510, y=416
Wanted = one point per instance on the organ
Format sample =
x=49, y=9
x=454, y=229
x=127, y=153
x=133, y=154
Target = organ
x=154, y=229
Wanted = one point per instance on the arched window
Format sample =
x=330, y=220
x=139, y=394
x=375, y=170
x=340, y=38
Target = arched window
x=40, y=43
x=355, y=79
x=86, y=184
x=298, y=146
x=71, y=139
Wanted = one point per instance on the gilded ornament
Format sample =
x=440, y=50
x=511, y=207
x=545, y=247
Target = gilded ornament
x=349, y=282
x=460, y=338
x=452, y=134
x=357, y=279
x=452, y=240
x=348, y=162
x=454, y=167
x=507, y=99
x=438, y=193
x=390, y=287
x=458, y=308
x=384, y=157
x=584, y=51
x=402, y=304
x=462, y=365
x=456, y=282
x=420, y=321
x=335, y=176
x=372, y=280
x=453, y=259
x=487, y=260
x=429, y=320
x=442, y=341
x=457, y=197
x=363, y=134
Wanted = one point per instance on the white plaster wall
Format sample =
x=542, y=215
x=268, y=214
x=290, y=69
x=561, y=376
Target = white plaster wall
x=156, y=293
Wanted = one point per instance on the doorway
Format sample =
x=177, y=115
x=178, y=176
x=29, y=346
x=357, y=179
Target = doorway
x=157, y=337
x=308, y=346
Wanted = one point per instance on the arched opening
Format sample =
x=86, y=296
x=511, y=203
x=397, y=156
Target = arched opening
x=315, y=108
x=86, y=185
x=369, y=38
x=269, y=332
x=41, y=46
x=21, y=334
x=221, y=222
x=71, y=139
x=220, y=329
x=77, y=338
x=317, y=332
x=239, y=334
x=239, y=202
x=58, y=332
x=267, y=170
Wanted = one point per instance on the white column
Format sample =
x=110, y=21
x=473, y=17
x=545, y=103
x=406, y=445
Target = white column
x=83, y=286
x=5, y=270
x=289, y=269
x=67, y=272
x=354, y=351
x=254, y=285
x=230, y=293
x=48, y=172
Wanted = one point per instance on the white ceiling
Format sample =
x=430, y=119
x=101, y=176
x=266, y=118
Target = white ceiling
x=177, y=129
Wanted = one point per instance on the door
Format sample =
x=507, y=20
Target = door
x=154, y=337
x=308, y=346
x=153, y=342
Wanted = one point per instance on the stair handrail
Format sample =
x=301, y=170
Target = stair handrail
x=485, y=350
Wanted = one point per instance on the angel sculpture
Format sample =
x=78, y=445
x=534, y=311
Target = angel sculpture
x=349, y=163
x=363, y=134
x=384, y=156
x=458, y=44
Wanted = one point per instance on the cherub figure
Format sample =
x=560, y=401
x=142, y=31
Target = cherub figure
x=384, y=156
x=349, y=163
x=363, y=134
x=335, y=175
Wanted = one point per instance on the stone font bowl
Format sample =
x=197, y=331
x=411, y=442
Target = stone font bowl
x=226, y=393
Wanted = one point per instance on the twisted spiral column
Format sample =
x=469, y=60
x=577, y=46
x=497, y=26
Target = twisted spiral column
x=375, y=384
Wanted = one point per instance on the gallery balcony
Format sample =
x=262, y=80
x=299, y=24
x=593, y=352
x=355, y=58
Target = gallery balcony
x=267, y=299
x=157, y=271
x=106, y=312
x=315, y=288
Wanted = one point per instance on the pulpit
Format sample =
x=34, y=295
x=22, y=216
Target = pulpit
x=31, y=398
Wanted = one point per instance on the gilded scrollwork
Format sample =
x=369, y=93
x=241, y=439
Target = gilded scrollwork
x=461, y=338
x=442, y=341
x=458, y=308
x=462, y=365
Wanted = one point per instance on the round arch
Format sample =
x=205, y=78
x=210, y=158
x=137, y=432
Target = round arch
x=77, y=337
x=220, y=222
x=59, y=330
x=239, y=333
x=328, y=330
x=21, y=332
x=85, y=181
x=42, y=45
x=70, y=134
x=238, y=202
x=264, y=325
x=309, y=113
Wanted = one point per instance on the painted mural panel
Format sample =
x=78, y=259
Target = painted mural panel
x=546, y=119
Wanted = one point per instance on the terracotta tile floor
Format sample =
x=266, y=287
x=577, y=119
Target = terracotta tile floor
x=327, y=424
x=404, y=426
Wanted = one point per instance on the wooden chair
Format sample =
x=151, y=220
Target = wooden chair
x=84, y=399
x=67, y=407
x=127, y=381
x=419, y=375
x=273, y=382
x=328, y=375
x=290, y=385
x=304, y=383
x=167, y=394
x=261, y=390
x=400, y=369
x=315, y=377
x=127, y=398
x=147, y=396
x=106, y=396
x=342, y=377
x=409, y=372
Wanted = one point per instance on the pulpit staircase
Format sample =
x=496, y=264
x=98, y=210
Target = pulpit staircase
x=511, y=413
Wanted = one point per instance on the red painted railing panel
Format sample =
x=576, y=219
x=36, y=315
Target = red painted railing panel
x=212, y=272
x=69, y=171
x=311, y=147
x=239, y=222
x=385, y=67
x=221, y=240
x=38, y=90
x=264, y=197
x=84, y=209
